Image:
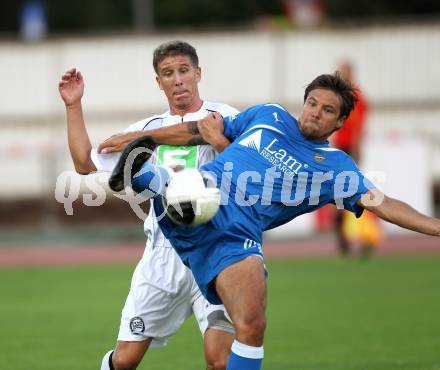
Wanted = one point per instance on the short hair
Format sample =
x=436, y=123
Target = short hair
x=338, y=85
x=173, y=48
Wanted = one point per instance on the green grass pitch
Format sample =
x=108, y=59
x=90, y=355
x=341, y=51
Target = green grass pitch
x=323, y=314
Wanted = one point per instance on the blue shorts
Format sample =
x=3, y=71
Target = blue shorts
x=207, y=263
x=231, y=236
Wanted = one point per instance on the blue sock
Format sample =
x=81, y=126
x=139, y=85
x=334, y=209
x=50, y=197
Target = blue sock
x=151, y=180
x=244, y=357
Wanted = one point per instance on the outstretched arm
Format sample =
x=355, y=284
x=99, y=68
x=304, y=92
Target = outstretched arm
x=400, y=213
x=181, y=134
x=187, y=133
x=71, y=88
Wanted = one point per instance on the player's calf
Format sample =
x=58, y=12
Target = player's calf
x=125, y=361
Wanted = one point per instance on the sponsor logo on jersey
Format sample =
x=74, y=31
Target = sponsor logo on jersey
x=137, y=325
x=172, y=156
x=253, y=141
x=274, y=153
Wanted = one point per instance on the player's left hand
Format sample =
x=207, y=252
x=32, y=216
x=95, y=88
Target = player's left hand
x=211, y=129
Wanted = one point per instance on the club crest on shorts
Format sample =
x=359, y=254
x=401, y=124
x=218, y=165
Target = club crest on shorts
x=137, y=325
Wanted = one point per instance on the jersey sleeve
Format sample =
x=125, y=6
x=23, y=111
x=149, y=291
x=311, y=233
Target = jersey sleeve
x=232, y=125
x=107, y=162
x=236, y=124
x=350, y=185
x=145, y=124
x=104, y=162
x=226, y=110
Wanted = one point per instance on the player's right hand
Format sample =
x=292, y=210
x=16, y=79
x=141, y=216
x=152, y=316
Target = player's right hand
x=118, y=142
x=71, y=87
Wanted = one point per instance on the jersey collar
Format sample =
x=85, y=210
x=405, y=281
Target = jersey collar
x=170, y=119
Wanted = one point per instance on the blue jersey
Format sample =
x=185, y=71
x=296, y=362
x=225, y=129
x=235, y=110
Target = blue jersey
x=269, y=175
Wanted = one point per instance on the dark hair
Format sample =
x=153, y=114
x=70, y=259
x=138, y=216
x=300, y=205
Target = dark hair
x=338, y=85
x=173, y=48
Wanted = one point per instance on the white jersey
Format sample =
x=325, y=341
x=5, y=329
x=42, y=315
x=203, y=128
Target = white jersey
x=167, y=155
x=163, y=291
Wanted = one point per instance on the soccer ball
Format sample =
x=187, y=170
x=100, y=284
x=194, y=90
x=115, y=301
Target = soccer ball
x=191, y=197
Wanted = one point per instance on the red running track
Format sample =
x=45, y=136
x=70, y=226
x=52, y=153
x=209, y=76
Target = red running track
x=130, y=253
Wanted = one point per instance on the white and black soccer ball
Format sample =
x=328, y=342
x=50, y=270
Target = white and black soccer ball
x=191, y=197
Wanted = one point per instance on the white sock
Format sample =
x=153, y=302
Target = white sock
x=105, y=361
x=245, y=357
x=244, y=350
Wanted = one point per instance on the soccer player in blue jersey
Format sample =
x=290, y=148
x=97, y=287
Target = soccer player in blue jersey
x=275, y=169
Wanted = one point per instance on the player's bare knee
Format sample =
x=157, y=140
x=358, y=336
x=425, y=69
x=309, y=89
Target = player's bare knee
x=251, y=332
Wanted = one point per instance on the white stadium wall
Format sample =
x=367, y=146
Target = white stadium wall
x=393, y=65
x=397, y=69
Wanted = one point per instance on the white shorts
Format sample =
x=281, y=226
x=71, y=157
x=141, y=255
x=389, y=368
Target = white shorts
x=162, y=296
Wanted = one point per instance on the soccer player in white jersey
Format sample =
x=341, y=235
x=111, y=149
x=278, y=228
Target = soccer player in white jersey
x=163, y=291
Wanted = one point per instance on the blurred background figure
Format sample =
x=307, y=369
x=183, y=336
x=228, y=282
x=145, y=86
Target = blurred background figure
x=33, y=21
x=305, y=14
x=349, y=230
x=349, y=137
